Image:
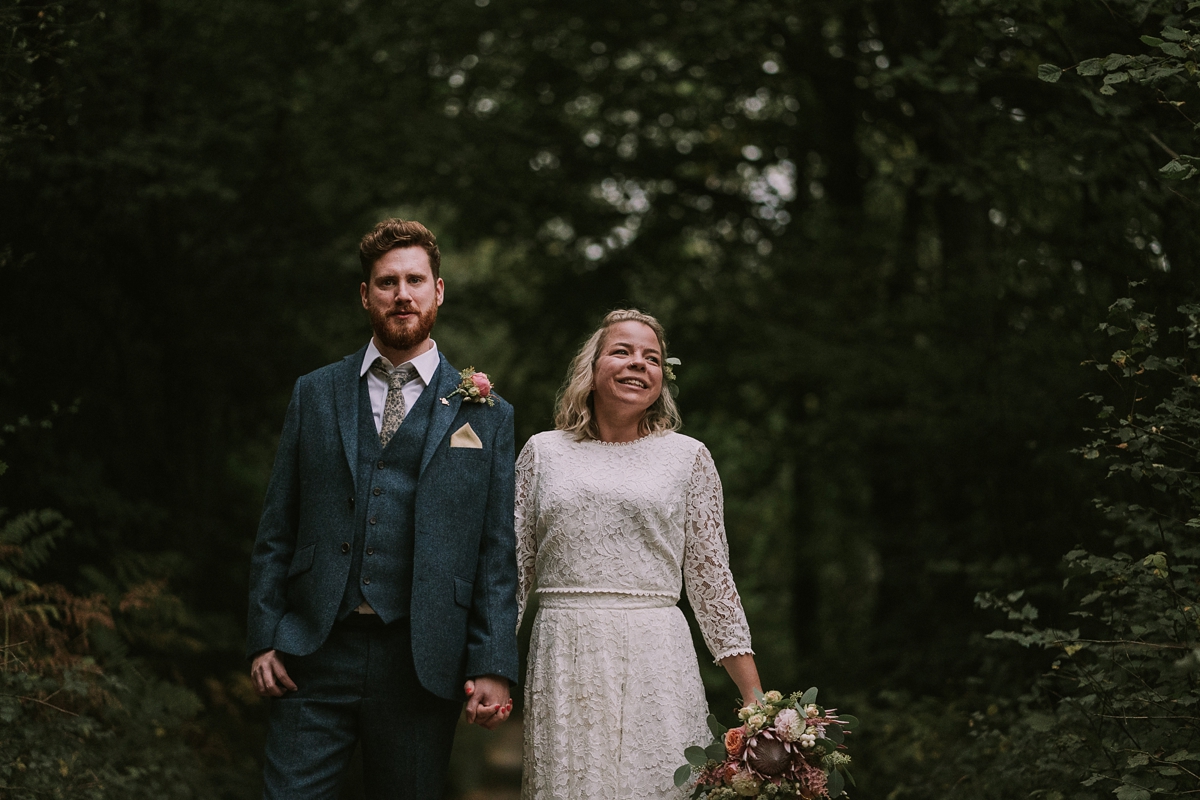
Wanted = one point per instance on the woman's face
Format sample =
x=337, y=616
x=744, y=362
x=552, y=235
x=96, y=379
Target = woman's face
x=628, y=374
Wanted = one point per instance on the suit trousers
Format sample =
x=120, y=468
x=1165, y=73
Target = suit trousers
x=360, y=686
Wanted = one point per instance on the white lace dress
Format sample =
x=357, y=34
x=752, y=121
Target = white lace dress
x=611, y=533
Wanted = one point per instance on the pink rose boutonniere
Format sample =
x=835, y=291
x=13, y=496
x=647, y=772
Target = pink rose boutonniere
x=475, y=387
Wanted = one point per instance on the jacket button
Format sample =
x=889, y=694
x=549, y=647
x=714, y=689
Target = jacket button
x=371, y=520
x=366, y=581
x=370, y=551
x=379, y=463
x=377, y=491
x=351, y=501
x=345, y=547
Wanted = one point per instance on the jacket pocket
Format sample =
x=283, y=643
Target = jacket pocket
x=463, y=590
x=303, y=560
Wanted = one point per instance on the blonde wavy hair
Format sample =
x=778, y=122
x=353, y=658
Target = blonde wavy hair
x=574, y=411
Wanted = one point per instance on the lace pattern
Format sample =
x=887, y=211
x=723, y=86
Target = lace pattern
x=613, y=691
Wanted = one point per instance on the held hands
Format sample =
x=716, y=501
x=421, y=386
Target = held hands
x=488, y=701
x=269, y=675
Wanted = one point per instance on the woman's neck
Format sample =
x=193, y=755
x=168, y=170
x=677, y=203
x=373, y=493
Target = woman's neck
x=619, y=428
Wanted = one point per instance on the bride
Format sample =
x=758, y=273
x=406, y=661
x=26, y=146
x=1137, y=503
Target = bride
x=614, y=511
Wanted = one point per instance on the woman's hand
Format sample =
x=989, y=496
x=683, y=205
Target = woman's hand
x=488, y=701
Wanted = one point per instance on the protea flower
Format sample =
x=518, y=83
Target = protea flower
x=768, y=755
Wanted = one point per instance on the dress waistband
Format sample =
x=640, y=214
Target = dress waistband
x=568, y=599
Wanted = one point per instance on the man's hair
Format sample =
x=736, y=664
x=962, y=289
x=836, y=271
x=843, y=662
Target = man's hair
x=575, y=413
x=392, y=234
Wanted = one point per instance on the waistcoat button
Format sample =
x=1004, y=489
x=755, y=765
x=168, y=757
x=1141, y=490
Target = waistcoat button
x=366, y=581
x=372, y=520
x=379, y=463
x=370, y=551
x=377, y=491
x=345, y=547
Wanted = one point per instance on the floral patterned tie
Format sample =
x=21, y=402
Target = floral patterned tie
x=393, y=408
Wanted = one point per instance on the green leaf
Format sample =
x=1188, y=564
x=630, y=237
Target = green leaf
x=809, y=696
x=1137, y=760
x=1128, y=792
x=1091, y=66
x=683, y=775
x=836, y=785
x=1116, y=60
x=1172, y=49
x=1176, y=171
x=1049, y=73
x=714, y=725
x=1040, y=722
x=1107, y=90
x=1151, y=41
x=716, y=751
x=696, y=756
x=1174, y=34
x=849, y=722
x=1116, y=77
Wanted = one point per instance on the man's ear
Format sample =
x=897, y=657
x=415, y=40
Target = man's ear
x=362, y=293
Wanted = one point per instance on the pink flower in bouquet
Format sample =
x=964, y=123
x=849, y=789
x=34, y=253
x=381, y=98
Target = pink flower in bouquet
x=789, y=725
x=735, y=741
x=482, y=384
x=812, y=780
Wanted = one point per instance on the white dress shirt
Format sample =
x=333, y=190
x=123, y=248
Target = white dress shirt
x=426, y=364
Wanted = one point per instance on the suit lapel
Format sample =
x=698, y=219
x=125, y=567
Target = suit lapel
x=345, y=389
x=445, y=381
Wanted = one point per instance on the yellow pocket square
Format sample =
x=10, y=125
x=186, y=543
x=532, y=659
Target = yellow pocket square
x=465, y=437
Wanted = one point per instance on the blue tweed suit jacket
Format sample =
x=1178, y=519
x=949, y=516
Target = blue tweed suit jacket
x=463, y=605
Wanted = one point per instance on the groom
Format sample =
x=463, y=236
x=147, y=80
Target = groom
x=383, y=574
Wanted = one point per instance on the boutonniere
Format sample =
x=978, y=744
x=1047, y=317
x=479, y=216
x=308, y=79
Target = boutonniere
x=475, y=387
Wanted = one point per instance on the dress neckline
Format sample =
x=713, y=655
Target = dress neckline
x=638, y=440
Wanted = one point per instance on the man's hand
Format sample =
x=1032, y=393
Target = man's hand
x=269, y=675
x=488, y=701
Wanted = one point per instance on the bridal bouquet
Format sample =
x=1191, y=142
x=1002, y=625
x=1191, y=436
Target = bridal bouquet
x=785, y=747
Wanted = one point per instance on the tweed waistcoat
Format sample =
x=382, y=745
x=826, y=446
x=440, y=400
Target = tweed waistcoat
x=382, y=550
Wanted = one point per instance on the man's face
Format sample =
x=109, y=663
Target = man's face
x=402, y=298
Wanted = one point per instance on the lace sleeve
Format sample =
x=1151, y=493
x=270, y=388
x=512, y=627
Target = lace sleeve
x=525, y=524
x=706, y=573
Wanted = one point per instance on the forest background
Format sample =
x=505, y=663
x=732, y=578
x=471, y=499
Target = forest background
x=881, y=234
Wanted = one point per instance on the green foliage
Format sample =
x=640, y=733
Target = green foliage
x=1171, y=68
x=876, y=239
x=1119, y=711
x=78, y=719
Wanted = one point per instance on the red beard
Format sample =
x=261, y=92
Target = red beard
x=400, y=334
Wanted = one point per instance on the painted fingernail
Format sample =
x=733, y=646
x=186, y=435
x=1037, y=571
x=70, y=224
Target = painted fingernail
x=470, y=690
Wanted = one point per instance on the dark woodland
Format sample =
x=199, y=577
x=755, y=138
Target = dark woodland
x=930, y=269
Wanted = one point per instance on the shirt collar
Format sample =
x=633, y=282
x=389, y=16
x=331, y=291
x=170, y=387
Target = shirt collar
x=426, y=364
